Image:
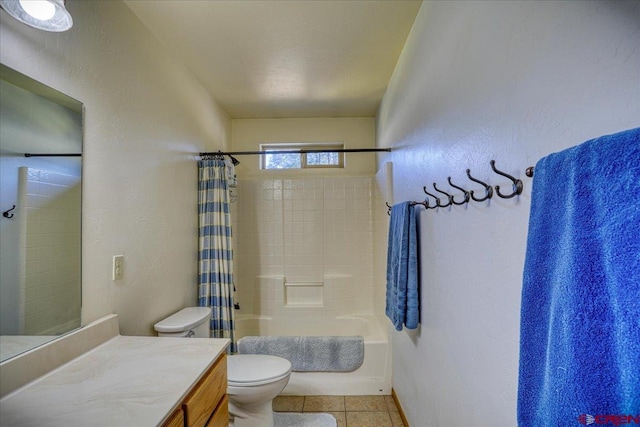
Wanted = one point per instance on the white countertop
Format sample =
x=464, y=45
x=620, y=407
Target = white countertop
x=12, y=345
x=127, y=381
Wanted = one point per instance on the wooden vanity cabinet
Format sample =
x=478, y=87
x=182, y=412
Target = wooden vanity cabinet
x=206, y=405
x=175, y=420
x=220, y=417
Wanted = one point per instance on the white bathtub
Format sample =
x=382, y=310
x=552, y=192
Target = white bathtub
x=373, y=377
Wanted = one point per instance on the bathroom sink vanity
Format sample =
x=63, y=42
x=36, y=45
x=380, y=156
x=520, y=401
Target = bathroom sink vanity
x=206, y=403
x=119, y=381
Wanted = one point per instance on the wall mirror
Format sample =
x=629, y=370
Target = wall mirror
x=40, y=201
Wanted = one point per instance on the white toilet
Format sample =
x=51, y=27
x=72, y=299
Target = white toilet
x=253, y=380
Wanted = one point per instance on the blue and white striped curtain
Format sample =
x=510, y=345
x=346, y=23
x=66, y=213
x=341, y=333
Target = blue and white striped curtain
x=215, y=255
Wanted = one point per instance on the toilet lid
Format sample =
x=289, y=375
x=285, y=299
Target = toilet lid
x=256, y=369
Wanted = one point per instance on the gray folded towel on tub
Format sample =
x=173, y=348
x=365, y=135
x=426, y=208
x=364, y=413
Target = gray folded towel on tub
x=310, y=354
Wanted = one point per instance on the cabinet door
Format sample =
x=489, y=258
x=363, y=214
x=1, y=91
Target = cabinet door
x=205, y=396
x=220, y=417
x=175, y=420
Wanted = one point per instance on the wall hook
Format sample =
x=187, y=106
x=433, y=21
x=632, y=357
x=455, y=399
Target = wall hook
x=449, y=196
x=517, y=184
x=388, y=208
x=488, y=190
x=425, y=203
x=466, y=193
x=6, y=213
x=432, y=195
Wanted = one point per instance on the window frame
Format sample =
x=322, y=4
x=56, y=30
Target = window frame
x=301, y=147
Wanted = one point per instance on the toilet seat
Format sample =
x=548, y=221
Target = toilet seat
x=248, y=370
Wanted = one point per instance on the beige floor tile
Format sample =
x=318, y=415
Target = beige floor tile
x=365, y=403
x=391, y=404
x=396, y=419
x=369, y=419
x=323, y=404
x=288, y=403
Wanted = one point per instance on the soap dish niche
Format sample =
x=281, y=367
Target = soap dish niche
x=304, y=294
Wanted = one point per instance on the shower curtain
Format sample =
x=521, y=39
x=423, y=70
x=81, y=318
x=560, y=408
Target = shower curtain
x=215, y=255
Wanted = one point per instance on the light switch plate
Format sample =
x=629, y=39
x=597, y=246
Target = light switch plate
x=118, y=267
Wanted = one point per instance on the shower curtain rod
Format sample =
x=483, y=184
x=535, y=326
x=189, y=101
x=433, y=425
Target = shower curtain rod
x=53, y=155
x=302, y=150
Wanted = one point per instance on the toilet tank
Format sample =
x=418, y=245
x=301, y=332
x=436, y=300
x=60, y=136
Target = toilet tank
x=190, y=322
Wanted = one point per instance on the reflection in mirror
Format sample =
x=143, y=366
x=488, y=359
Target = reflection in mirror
x=40, y=280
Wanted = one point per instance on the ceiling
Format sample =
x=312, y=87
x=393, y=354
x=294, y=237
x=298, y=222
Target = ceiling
x=296, y=58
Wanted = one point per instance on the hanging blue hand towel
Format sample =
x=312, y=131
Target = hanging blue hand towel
x=580, y=324
x=402, y=305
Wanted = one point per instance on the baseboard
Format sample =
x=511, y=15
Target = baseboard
x=400, y=411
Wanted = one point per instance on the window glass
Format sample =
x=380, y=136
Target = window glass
x=282, y=161
x=299, y=159
x=323, y=159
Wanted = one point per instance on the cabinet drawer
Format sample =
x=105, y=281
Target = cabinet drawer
x=205, y=396
x=175, y=420
x=220, y=417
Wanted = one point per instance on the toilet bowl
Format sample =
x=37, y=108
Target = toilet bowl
x=253, y=381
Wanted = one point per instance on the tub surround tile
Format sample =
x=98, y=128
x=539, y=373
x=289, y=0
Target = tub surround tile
x=314, y=229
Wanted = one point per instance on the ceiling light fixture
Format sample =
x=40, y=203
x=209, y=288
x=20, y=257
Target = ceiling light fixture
x=47, y=15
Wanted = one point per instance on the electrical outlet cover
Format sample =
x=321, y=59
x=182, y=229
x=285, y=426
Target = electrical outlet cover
x=118, y=267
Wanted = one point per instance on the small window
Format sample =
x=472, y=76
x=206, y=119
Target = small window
x=296, y=156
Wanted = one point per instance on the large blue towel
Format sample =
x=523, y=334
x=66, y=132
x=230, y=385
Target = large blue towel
x=403, y=301
x=580, y=324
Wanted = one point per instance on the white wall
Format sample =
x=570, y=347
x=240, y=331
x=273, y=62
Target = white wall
x=510, y=81
x=146, y=118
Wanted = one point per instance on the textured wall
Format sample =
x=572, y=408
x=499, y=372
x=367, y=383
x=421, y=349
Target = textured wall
x=145, y=119
x=511, y=81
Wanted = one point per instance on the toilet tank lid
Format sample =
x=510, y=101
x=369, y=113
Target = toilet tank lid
x=183, y=320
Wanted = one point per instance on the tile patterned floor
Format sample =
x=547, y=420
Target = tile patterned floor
x=349, y=411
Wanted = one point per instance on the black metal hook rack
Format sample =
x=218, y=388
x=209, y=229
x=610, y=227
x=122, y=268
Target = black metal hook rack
x=517, y=187
x=6, y=213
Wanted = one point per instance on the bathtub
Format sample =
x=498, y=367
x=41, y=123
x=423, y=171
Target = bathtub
x=373, y=377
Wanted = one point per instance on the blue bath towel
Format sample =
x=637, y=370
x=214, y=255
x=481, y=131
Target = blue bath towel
x=580, y=324
x=402, y=305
